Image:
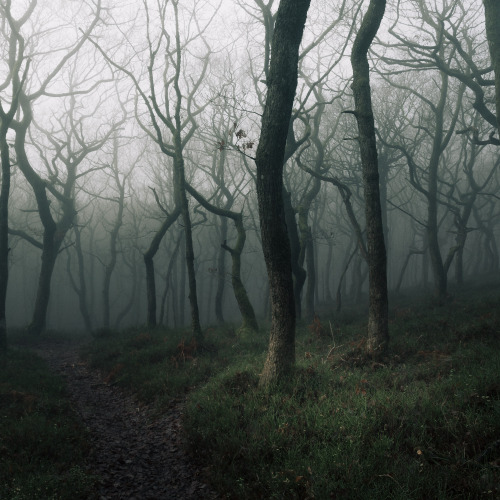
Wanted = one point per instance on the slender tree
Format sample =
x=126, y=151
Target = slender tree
x=12, y=84
x=170, y=218
x=492, y=17
x=282, y=84
x=172, y=107
x=249, y=321
x=378, y=333
x=53, y=230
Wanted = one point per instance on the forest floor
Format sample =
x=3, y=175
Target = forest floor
x=135, y=453
x=126, y=411
x=423, y=423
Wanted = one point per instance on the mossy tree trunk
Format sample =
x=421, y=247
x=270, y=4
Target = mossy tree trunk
x=378, y=334
x=282, y=84
x=5, y=119
x=492, y=17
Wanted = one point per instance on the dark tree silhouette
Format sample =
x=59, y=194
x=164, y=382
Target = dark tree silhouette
x=282, y=84
x=378, y=334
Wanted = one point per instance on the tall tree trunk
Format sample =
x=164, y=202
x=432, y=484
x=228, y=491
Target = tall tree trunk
x=282, y=84
x=378, y=333
x=492, y=17
x=4, y=229
x=182, y=202
x=439, y=141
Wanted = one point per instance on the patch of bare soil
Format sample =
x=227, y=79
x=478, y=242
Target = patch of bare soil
x=135, y=454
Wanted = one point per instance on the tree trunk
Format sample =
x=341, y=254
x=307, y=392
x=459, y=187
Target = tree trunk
x=110, y=266
x=150, y=270
x=328, y=270
x=378, y=334
x=299, y=273
x=248, y=318
x=80, y=288
x=182, y=202
x=249, y=321
x=180, y=300
x=49, y=256
x=221, y=273
x=132, y=300
x=4, y=231
x=492, y=17
x=282, y=84
x=311, y=275
x=168, y=279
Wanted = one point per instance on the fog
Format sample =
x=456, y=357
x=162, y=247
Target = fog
x=114, y=102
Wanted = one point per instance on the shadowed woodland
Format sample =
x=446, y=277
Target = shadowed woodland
x=273, y=222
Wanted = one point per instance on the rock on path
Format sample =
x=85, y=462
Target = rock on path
x=135, y=454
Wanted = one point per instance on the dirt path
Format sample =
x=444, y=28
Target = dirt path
x=135, y=455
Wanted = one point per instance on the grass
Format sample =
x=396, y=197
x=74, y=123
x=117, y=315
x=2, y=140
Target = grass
x=161, y=365
x=43, y=447
x=425, y=423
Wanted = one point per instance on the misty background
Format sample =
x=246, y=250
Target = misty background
x=96, y=72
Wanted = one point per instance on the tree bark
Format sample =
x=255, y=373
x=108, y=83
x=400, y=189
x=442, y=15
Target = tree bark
x=311, y=275
x=150, y=270
x=328, y=270
x=492, y=17
x=249, y=320
x=378, y=334
x=299, y=273
x=168, y=280
x=4, y=228
x=113, y=240
x=82, y=289
x=221, y=273
x=53, y=233
x=182, y=202
x=282, y=84
x=180, y=300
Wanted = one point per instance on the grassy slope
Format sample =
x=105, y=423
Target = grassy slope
x=421, y=425
x=42, y=445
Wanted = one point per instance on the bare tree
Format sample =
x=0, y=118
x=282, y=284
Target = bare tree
x=54, y=231
x=378, y=333
x=119, y=181
x=10, y=87
x=492, y=17
x=282, y=84
x=249, y=321
x=169, y=218
x=171, y=113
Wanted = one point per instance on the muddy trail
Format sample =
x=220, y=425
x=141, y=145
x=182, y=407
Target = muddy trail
x=134, y=453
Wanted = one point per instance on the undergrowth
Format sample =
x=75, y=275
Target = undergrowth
x=161, y=365
x=423, y=423
x=42, y=445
